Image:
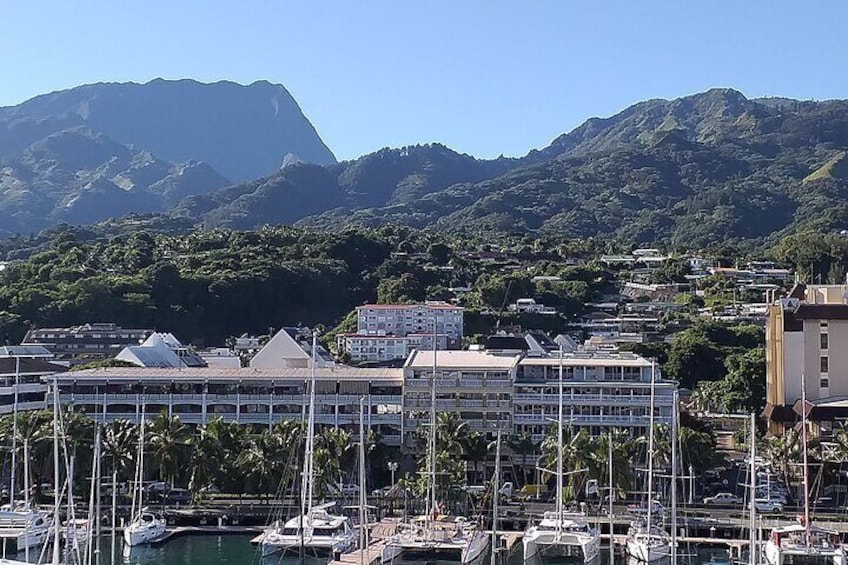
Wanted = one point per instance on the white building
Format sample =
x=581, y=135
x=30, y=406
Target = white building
x=391, y=331
x=21, y=371
x=160, y=350
x=530, y=306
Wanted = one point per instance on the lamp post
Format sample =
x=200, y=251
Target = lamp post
x=393, y=466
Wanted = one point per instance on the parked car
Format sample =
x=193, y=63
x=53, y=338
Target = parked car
x=178, y=496
x=723, y=498
x=768, y=505
x=346, y=489
x=824, y=502
x=657, y=509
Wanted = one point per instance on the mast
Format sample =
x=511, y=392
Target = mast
x=26, y=487
x=611, y=495
x=431, y=513
x=651, y=447
x=92, y=496
x=310, y=432
x=12, y=477
x=363, y=500
x=140, y=470
x=804, y=460
x=752, y=493
x=496, y=487
x=56, y=521
x=674, y=424
x=559, y=453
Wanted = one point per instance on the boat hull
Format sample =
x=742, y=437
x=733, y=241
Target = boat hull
x=547, y=549
x=139, y=534
x=647, y=552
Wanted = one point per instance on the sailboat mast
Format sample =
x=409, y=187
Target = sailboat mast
x=12, y=481
x=363, y=500
x=496, y=488
x=611, y=495
x=651, y=446
x=140, y=470
x=559, y=481
x=804, y=459
x=56, y=493
x=752, y=493
x=310, y=431
x=431, y=513
x=674, y=424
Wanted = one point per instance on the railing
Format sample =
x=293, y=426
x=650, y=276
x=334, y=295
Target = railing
x=606, y=399
x=589, y=420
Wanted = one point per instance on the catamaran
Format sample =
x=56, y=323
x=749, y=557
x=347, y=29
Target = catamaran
x=645, y=541
x=561, y=534
x=316, y=531
x=804, y=542
x=145, y=526
x=434, y=534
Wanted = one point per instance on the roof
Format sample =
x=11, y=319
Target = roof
x=507, y=342
x=160, y=350
x=440, y=305
x=822, y=312
x=25, y=351
x=461, y=359
x=599, y=361
x=280, y=351
x=245, y=373
x=28, y=366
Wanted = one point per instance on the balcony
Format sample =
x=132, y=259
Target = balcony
x=590, y=399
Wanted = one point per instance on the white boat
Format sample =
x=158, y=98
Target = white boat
x=76, y=532
x=314, y=530
x=645, y=541
x=322, y=533
x=451, y=537
x=804, y=541
x=26, y=526
x=145, y=526
x=561, y=534
x=796, y=542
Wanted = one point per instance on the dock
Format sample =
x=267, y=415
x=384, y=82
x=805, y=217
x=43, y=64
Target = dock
x=180, y=531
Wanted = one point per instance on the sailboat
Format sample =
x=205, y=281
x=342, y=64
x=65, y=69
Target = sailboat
x=645, y=541
x=561, y=534
x=315, y=530
x=804, y=541
x=452, y=537
x=145, y=526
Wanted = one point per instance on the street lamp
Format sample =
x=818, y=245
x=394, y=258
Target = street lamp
x=393, y=466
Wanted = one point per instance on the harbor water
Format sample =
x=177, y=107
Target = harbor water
x=237, y=550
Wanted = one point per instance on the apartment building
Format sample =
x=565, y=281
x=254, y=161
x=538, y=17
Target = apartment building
x=806, y=338
x=22, y=369
x=601, y=390
x=250, y=396
x=475, y=384
x=391, y=331
x=86, y=342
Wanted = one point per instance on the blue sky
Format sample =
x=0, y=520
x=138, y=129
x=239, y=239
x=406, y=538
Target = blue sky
x=484, y=77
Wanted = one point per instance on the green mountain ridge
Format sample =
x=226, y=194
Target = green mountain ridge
x=701, y=169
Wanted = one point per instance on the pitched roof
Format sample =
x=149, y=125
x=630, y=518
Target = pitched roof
x=461, y=359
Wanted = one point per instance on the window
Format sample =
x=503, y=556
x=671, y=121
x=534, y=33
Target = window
x=824, y=383
x=823, y=341
x=824, y=364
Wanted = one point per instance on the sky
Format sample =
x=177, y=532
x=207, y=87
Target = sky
x=483, y=77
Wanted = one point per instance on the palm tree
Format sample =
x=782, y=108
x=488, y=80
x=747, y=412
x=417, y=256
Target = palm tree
x=576, y=454
x=475, y=448
x=622, y=468
x=34, y=430
x=523, y=445
x=260, y=462
x=782, y=451
x=169, y=439
x=451, y=433
x=207, y=453
x=120, y=442
x=333, y=452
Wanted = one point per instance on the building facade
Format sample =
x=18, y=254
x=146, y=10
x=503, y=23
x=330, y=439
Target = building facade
x=391, y=331
x=22, y=370
x=806, y=335
x=86, y=342
x=250, y=396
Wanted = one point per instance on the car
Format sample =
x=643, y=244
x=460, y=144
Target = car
x=382, y=491
x=824, y=502
x=178, y=496
x=723, y=498
x=344, y=489
x=656, y=508
x=768, y=505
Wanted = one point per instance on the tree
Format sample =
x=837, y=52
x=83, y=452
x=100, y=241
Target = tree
x=169, y=440
x=576, y=455
x=120, y=444
x=260, y=462
x=475, y=448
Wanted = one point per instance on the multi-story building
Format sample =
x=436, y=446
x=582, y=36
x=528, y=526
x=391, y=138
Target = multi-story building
x=806, y=337
x=250, y=396
x=476, y=385
x=86, y=342
x=391, y=331
x=22, y=369
x=601, y=390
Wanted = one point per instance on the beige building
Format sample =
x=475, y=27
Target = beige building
x=807, y=342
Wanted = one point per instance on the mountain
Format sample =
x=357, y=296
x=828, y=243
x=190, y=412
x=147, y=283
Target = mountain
x=243, y=132
x=389, y=177
x=79, y=176
x=706, y=168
